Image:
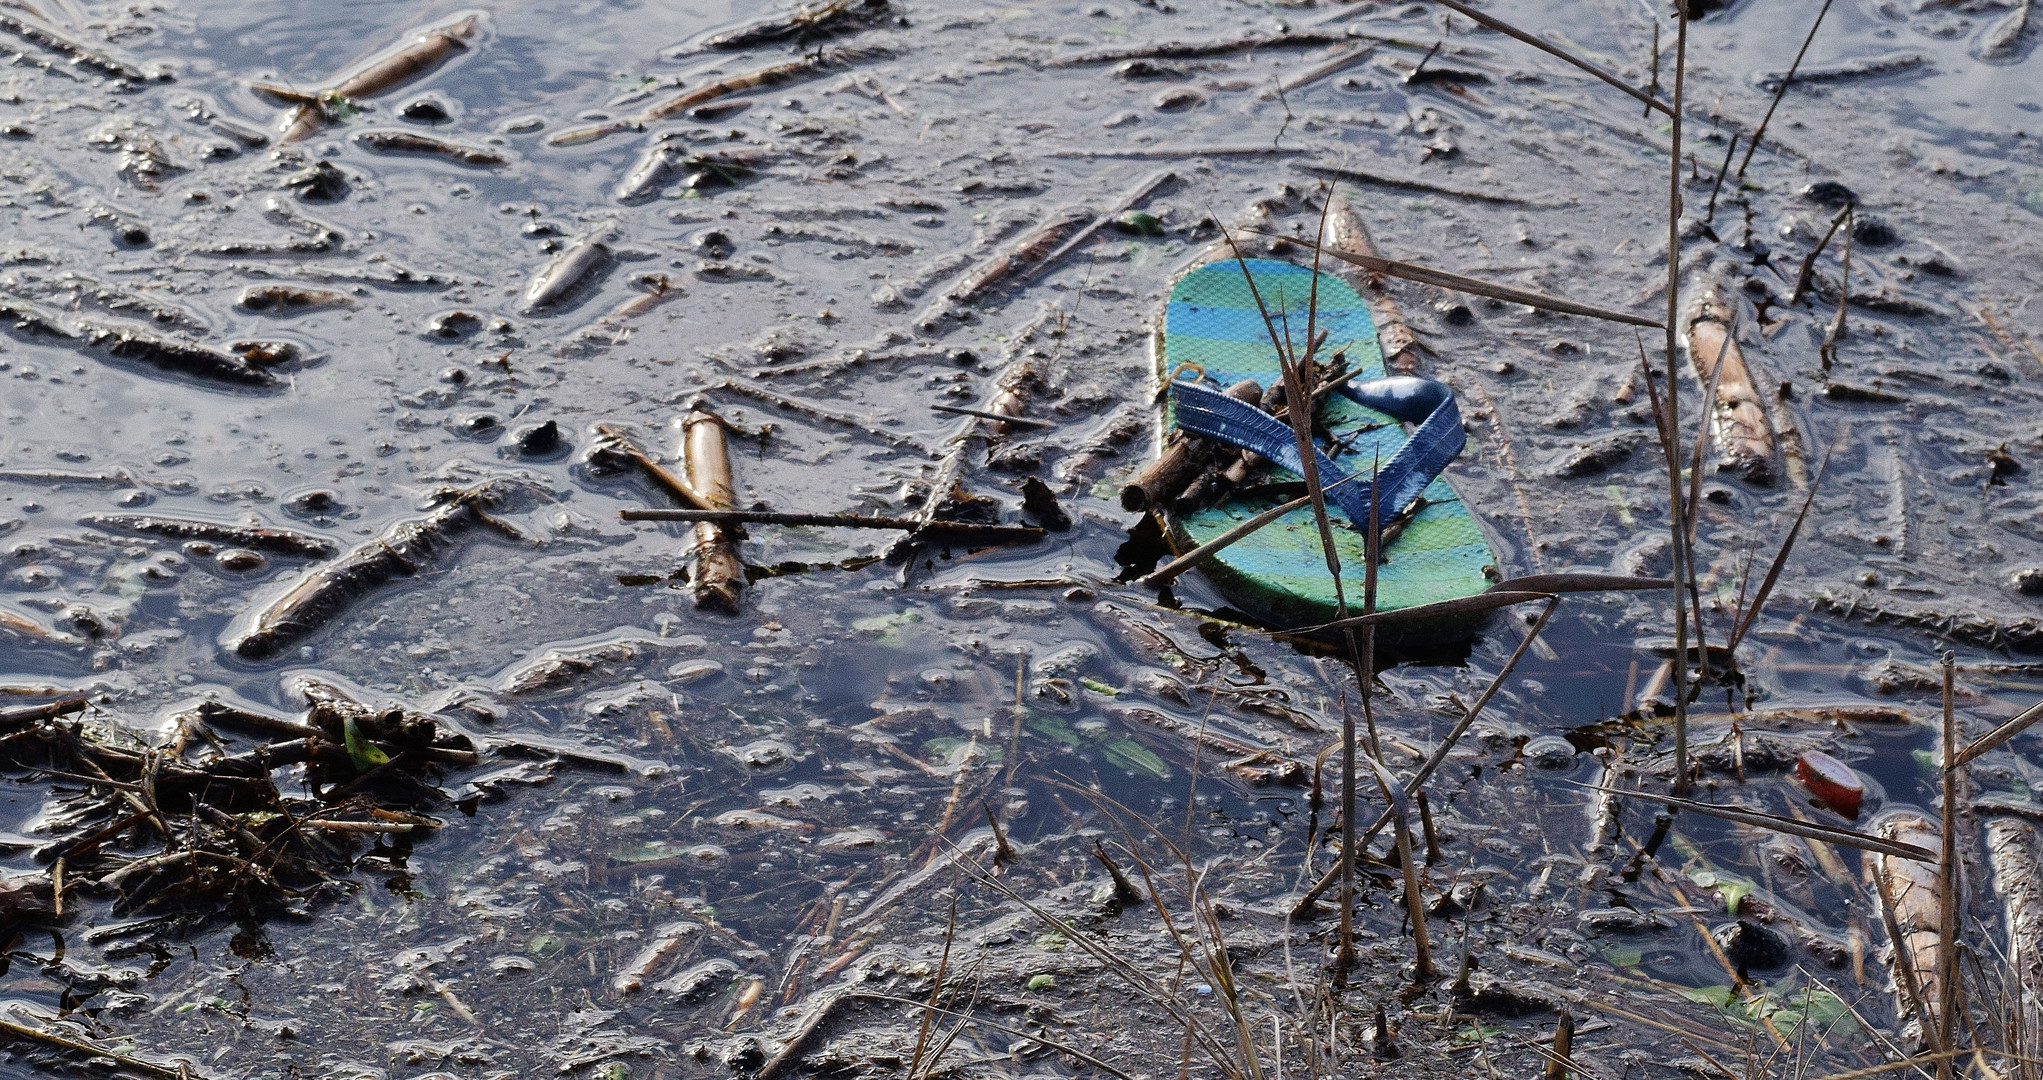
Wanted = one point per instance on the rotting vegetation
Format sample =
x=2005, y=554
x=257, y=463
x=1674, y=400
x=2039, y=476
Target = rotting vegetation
x=994, y=807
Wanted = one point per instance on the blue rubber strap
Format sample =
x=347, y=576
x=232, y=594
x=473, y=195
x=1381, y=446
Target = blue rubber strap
x=1438, y=440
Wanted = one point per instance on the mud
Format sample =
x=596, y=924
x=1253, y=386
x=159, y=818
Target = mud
x=245, y=321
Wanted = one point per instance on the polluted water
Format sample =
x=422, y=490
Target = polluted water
x=670, y=541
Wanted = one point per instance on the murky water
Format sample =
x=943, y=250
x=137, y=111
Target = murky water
x=791, y=779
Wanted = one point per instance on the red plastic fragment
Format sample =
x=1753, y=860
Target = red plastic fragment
x=1832, y=781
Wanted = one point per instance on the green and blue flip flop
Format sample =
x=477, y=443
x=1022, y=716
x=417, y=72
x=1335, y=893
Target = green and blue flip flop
x=1215, y=335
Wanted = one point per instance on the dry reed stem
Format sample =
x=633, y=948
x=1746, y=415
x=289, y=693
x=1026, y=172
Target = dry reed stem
x=1675, y=527
x=1556, y=51
x=1947, y=879
x=1779, y=92
x=1999, y=735
x=1439, y=755
x=1426, y=275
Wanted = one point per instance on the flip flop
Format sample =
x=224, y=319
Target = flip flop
x=1213, y=336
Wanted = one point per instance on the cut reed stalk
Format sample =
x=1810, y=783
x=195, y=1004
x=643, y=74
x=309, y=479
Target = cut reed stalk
x=1415, y=905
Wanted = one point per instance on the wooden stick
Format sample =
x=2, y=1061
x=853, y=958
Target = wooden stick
x=611, y=437
x=1183, y=456
x=840, y=521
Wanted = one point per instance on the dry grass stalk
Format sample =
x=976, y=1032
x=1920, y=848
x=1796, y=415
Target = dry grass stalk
x=1037, y=1036
x=1781, y=91
x=1676, y=529
x=1556, y=51
x=1836, y=333
x=1304, y=908
x=1829, y=834
x=1948, y=927
x=1297, y=369
x=1780, y=562
x=1399, y=808
x=1807, y=274
x=1170, y=571
x=1426, y=275
x=1999, y=735
x=1564, y=1047
x=1729, y=149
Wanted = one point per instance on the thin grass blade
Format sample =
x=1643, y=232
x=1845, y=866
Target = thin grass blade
x=1780, y=562
x=1811, y=830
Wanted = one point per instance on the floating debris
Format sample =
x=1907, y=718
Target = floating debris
x=776, y=75
x=567, y=275
x=2017, y=860
x=1187, y=50
x=253, y=537
x=2003, y=40
x=1744, y=433
x=804, y=24
x=560, y=667
x=1910, y=903
x=664, y=162
x=1870, y=67
x=403, y=551
x=715, y=571
x=81, y=55
x=416, y=57
x=285, y=299
x=1831, y=780
x=385, y=141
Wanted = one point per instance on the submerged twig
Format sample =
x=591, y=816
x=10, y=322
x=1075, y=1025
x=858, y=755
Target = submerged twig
x=94, y=1050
